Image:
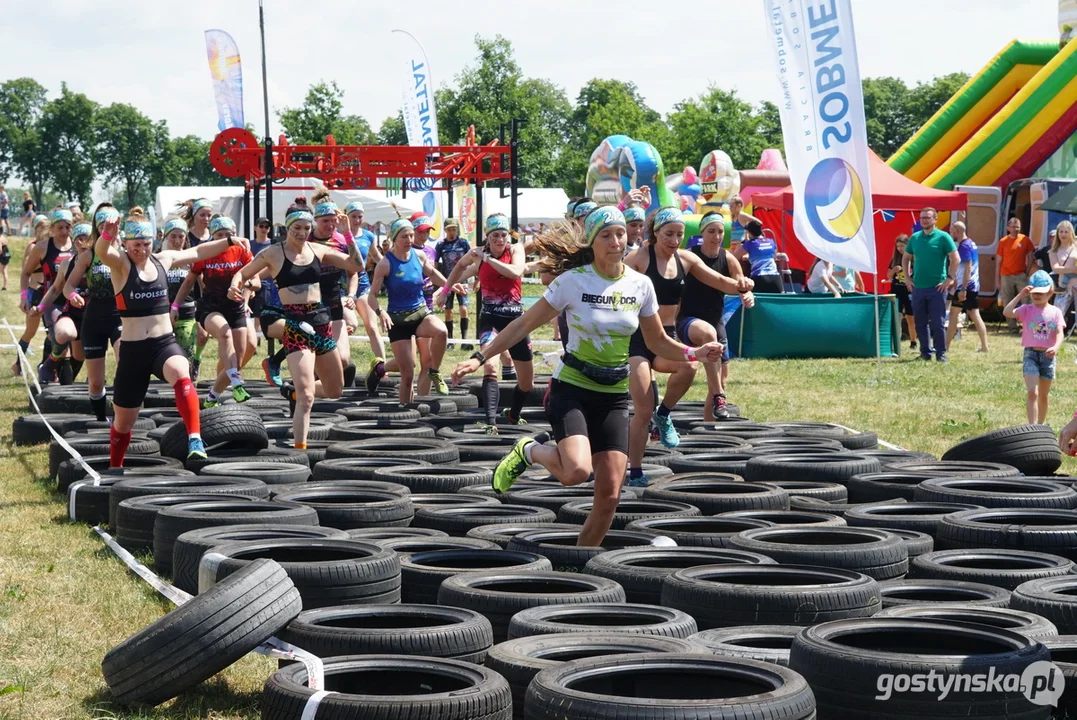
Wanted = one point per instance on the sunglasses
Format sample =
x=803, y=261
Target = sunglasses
x=264, y=227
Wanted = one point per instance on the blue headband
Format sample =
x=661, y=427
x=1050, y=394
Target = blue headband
x=634, y=214
x=600, y=219
x=61, y=216
x=106, y=214
x=582, y=209
x=298, y=216
x=138, y=230
x=399, y=225
x=353, y=206
x=667, y=215
x=38, y=219
x=325, y=209
x=495, y=223
x=175, y=224
x=82, y=229
x=199, y=204
x=222, y=223
x=709, y=220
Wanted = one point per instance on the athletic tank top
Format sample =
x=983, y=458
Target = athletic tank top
x=99, y=283
x=80, y=288
x=500, y=295
x=404, y=284
x=667, y=290
x=291, y=274
x=140, y=298
x=50, y=264
x=701, y=300
x=330, y=277
x=176, y=277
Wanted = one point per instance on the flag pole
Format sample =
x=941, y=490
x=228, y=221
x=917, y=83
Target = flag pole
x=878, y=333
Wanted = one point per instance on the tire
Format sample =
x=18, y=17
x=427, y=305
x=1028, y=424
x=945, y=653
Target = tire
x=768, y=643
x=426, y=630
x=922, y=517
x=201, y=637
x=134, y=486
x=1001, y=568
x=499, y=596
x=173, y=521
x=359, y=468
x=628, y=618
x=1048, y=531
x=890, y=458
x=371, y=429
x=373, y=414
x=271, y=473
x=83, y=425
x=848, y=440
x=746, y=430
x=875, y=553
x=1008, y=493
x=409, y=545
x=560, y=547
x=431, y=450
x=282, y=430
x=520, y=659
x=356, y=485
x=1062, y=655
x=483, y=447
x=31, y=429
x=1052, y=598
x=830, y=492
x=87, y=502
x=1028, y=624
x=501, y=534
x=778, y=443
x=719, y=493
x=1032, y=449
x=730, y=595
x=315, y=449
x=190, y=546
x=400, y=686
x=641, y=571
x=732, y=462
x=917, y=543
x=925, y=591
x=884, y=486
x=421, y=574
x=349, y=509
x=627, y=688
x=808, y=504
x=658, y=455
x=576, y=512
x=275, y=454
x=553, y=498
x=97, y=445
x=450, y=432
x=826, y=467
x=701, y=532
x=70, y=471
x=435, y=479
x=457, y=520
x=429, y=500
x=439, y=404
x=787, y=518
x=397, y=533
x=955, y=468
x=234, y=426
x=844, y=674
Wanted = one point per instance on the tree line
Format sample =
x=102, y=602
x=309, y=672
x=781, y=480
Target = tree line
x=61, y=146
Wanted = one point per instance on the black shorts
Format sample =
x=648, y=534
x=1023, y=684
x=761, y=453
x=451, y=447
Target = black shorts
x=768, y=284
x=904, y=301
x=972, y=300
x=406, y=329
x=600, y=417
x=637, y=347
x=100, y=329
x=493, y=324
x=37, y=295
x=138, y=360
x=684, y=323
x=234, y=313
x=461, y=300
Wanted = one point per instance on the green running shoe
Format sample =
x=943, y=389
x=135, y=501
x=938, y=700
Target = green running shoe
x=240, y=394
x=216, y=402
x=507, y=414
x=512, y=466
x=440, y=388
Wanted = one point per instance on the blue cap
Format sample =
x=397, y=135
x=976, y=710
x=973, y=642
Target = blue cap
x=1041, y=282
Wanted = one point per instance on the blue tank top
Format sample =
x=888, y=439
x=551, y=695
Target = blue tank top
x=761, y=253
x=404, y=284
x=362, y=243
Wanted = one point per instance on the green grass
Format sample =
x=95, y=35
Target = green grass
x=65, y=599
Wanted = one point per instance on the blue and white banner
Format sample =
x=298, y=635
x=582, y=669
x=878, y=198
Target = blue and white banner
x=227, y=74
x=420, y=115
x=826, y=144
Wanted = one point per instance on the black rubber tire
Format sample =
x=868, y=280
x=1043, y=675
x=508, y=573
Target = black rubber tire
x=142, y=486
x=191, y=545
x=397, y=533
x=1001, y=568
x=454, y=432
x=31, y=429
x=731, y=462
x=746, y=430
x=520, y=659
x=87, y=502
x=410, y=544
x=499, y=596
x=777, y=443
x=825, y=467
x=173, y=521
x=420, y=500
x=927, y=591
x=201, y=637
x=1032, y=449
x=1028, y=624
x=83, y=425
x=457, y=520
x=1052, y=598
x=922, y=517
x=269, y=473
x=956, y=468
x=426, y=630
x=714, y=494
x=890, y=458
x=502, y=534
x=552, y=497
x=315, y=449
x=788, y=518
x=561, y=548
x=809, y=504
x=348, y=509
x=629, y=618
x=702, y=532
x=234, y=425
x=848, y=440
x=359, y=468
x=483, y=447
x=98, y=445
x=730, y=595
x=658, y=455
x=1002, y=492
x=1064, y=655
x=1048, y=531
x=373, y=414
x=641, y=571
x=828, y=491
x=691, y=687
x=627, y=511
x=392, y=687
x=884, y=486
x=282, y=430
x=844, y=674
x=356, y=485
x=435, y=479
x=917, y=543
x=768, y=643
x=275, y=454
x=422, y=573
x=873, y=552
x=438, y=452
x=70, y=471
x=373, y=428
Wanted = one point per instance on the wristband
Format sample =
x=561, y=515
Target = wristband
x=73, y=295
x=690, y=353
x=25, y=294
x=41, y=308
x=106, y=236
x=621, y=205
x=175, y=306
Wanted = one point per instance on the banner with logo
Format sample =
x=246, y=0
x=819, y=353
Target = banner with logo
x=420, y=117
x=227, y=74
x=465, y=210
x=822, y=112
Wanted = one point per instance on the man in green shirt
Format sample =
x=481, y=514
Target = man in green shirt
x=928, y=280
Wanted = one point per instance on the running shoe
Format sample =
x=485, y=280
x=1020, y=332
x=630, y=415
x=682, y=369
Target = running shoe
x=196, y=448
x=512, y=466
x=287, y=391
x=489, y=429
x=46, y=373
x=507, y=414
x=377, y=372
x=240, y=394
x=439, y=386
x=637, y=482
x=721, y=412
x=666, y=432
x=272, y=371
x=215, y=402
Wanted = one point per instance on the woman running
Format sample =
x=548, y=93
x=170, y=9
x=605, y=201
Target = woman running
x=402, y=271
x=183, y=310
x=761, y=252
x=499, y=266
x=363, y=240
x=63, y=314
x=327, y=222
x=304, y=321
x=587, y=402
x=700, y=316
x=46, y=254
x=140, y=282
x=197, y=213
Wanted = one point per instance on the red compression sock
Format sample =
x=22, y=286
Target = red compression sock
x=187, y=404
x=118, y=443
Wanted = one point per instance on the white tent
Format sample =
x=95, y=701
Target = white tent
x=534, y=205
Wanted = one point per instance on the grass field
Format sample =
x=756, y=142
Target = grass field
x=65, y=600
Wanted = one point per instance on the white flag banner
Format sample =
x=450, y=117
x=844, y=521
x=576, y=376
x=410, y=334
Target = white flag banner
x=420, y=116
x=826, y=144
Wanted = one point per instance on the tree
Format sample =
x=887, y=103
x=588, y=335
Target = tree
x=67, y=138
x=719, y=120
x=320, y=115
x=128, y=146
x=21, y=147
x=393, y=131
x=894, y=112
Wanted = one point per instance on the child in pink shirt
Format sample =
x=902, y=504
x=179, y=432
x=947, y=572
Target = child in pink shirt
x=1042, y=324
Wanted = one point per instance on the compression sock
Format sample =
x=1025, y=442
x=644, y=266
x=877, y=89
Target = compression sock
x=198, y=352
x=508, y=373
x=654, y=393
x=279, y=357
x=634, y=473
x=187, y=404
x=463, y=328
x=300, y=446
x=519, y=397
x=76, y=367
x=118, y=443
x=98, y=405
x=491, y=393
x=449, y=324
x=46, y=348
x=234, y=378
x=663, y=411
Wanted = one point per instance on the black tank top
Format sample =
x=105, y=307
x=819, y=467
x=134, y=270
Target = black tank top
x=50, y=264
x=140, y=298
x=291, y=274
x=701, y=300
x=668, y=291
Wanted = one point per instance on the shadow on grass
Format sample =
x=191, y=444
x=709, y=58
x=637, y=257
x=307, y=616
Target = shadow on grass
x=209, y=699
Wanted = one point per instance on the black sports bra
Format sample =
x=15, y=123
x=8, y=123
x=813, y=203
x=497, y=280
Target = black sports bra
x=667, y=291
x=291, y=274
x=141, y=298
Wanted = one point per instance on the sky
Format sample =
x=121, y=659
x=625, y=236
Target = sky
x=153, y=54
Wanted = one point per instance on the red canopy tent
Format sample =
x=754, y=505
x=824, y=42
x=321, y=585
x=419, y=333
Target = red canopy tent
x=900, y=198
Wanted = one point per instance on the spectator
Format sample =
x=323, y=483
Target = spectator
x=739, y=220
x=1041, y=338
x=28, y=212
x=967, y=296
x=821, y=279
x=897, y=286
x=1014, y=264
x=5, y=224
x=848, y=280
x=761, y=252
x=1063, y=259
x=933, y=275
